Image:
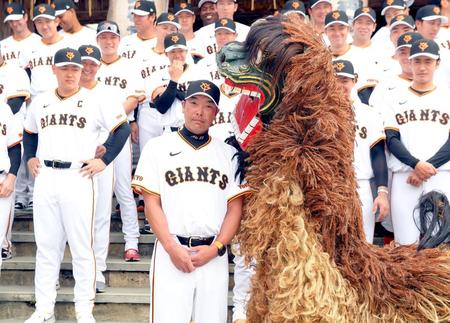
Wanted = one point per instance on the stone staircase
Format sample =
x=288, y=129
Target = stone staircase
x=127, y=298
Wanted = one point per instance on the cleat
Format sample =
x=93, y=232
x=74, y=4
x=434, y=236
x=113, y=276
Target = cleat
x=146, y=229
x=85, y=318
x=40, y=317
x=131, y=255
x=6, y=254
x=100, y=287
x=19, y=206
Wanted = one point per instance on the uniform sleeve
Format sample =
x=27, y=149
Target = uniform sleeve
x=19, y=85
x=111, y=114
x=30, y=123
x=14, y=130
x=389, y=120
x=377, y=130
x=235, y=188
x=135, y=86
x=145, y=178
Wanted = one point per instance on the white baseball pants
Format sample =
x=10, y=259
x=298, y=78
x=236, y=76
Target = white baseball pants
x=366, y=198
x=6, y=210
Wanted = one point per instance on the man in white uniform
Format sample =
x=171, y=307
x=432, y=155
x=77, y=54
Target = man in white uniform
x=194, y=205
x=186, y=17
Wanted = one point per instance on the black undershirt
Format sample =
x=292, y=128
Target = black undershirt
x=193, y=139
x=379, y=165
x=398, y=149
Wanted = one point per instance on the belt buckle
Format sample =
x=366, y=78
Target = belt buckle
x=193, y=238
x=55, y=163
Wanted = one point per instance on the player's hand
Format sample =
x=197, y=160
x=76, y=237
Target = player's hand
x=92, y=167
x=381, y=204
x=134, y=132
x=7, y=186
x=414, y=179
x=181, y=258
x=203, y=254
x=176, y=70
x=33, y=165
x=100, y=151
x=425, y=170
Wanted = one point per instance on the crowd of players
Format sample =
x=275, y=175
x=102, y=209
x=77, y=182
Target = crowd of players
x=398, y=80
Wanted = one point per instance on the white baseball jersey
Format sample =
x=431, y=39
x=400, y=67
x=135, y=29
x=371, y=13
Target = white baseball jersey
x=152, y=64
x=132, y=46
x=423, y=122
x=85, y=36
x=202, y=178
x=368, y=132
x=11, y=49
x=10, y=135
x=14, y=82
x=384, y=90
x=39, y=59
x=69, y=128
x=382, y=41
x=443, y=38
x=207, y=39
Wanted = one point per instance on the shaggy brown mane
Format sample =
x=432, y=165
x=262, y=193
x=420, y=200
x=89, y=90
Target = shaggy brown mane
x=303, y=225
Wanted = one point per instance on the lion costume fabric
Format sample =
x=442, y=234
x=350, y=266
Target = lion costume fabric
x=303, y=224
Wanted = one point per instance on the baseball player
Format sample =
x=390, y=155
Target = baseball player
x=10, y=155
x=443, y=37
x=65, y=123
x=296, y=7
x=140, y=43
x=16, y=18
x=193, y=203
x=417, y=131
x=72, y=30
x=225, y=9
x=119, y=76
x=186, y=17
x=363, y=26
x=207, y=12
x=369, y=157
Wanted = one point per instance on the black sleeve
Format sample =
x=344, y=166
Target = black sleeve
x=16, y=103
x=163, y=102
x=30, y=144
x=15, y=155
x=396, y=147
x=379, y=165
x=115, y=142
x=442, y=156
x=136, y=113
x=365, y=93
x=28, y=71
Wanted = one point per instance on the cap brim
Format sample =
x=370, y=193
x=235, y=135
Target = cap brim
x=60, y=12
x=365, y=15
x=203, y=94
x=351, y=76
x=138, y=12
x=337, y=22
x=226, y=28
x=168, y=49
x=44, y=16
x=107, y=31
x=401, y=46
x=294, y=11
x=170, y=23
x=444, y=19
x=388, y=7
x=184, y=10
x=90, y=58
x=327, y=1
x=68, y=63
x=201, y=3
x=430, y=55
x=401, y=22
x=13, y=17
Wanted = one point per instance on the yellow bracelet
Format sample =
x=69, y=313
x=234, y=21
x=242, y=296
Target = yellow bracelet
x=218, y=244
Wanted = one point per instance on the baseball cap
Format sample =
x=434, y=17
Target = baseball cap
x=108, y=27
x=430, y=12
x=365, y=11
x=143, y=8
x=13, y=11
x=44, y=11
x=314, y=3
x=294, y=6
x=67, y=56
x=168, y=18
x=173, y=41
x=424, y=47
x=183, y=7
x=90, y=52
x=402, y=19
x=61, y=6
x=407, y=39
x=344, y=68
x=336, y=17
x=225, y=23
x=395, y=4
x=202, y=2
x=205, y=88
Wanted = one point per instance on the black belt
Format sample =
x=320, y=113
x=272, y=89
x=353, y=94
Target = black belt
x=57, y=164
x=195, y=241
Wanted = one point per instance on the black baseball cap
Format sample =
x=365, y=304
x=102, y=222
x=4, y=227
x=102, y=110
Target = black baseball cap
x=407, y=39
x=183, y=7
x=294, y=6
x=108, y=27
x=67, y=56
x=13, y=11
x=424, y=47
x=365, y=11
x=90, y=52
x=344, y=68
x=336, y=17
x=168, y=18
x=314, y=3
x=61, y=6
x=395, y=4
x=225, y=23
x=402, y=19
x=45, y=11
x=205, y=88
x=173, y=41
x=143, y=8
x=430, y=12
